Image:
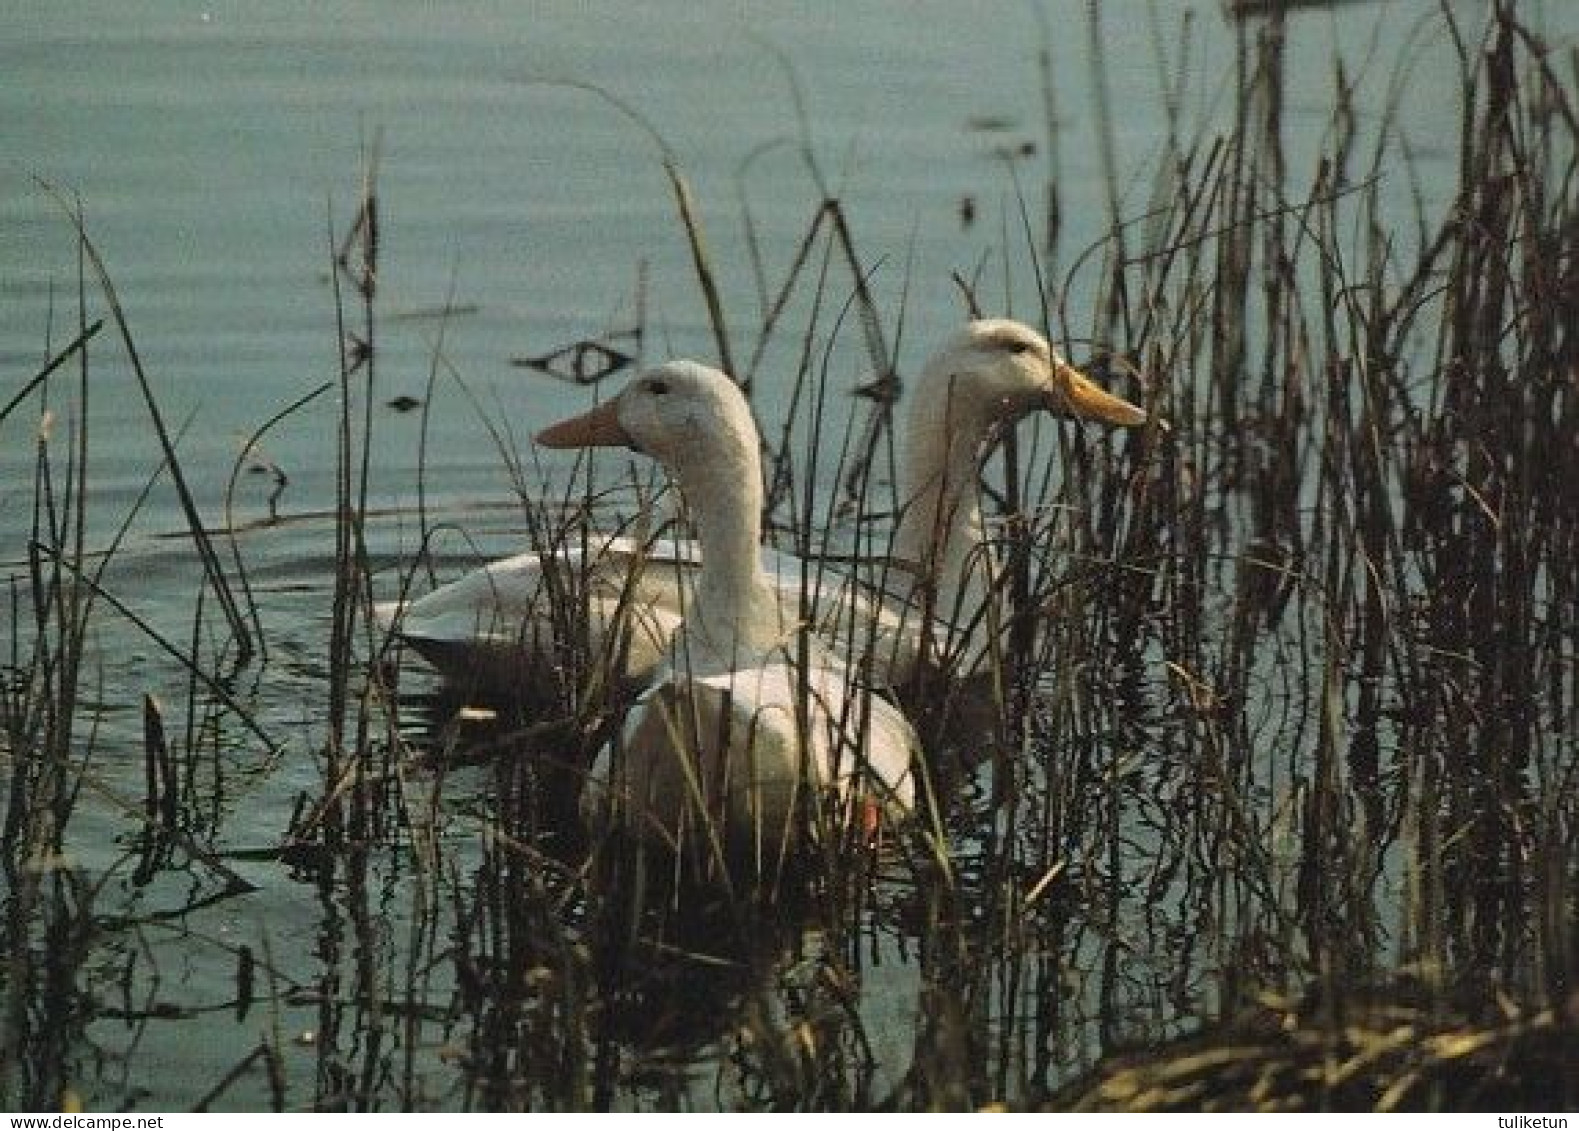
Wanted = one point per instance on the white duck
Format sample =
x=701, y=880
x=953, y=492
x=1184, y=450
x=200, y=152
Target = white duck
x=942, y=571
x=495, y=624
x=750, y=719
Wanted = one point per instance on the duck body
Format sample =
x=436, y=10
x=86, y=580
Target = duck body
x=750, y=725
x=504, y=627
x=722, y=757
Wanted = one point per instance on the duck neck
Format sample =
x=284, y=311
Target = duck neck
x=940, y=529
x=734, y=606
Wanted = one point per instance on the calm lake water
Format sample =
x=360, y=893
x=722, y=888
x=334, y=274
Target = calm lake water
x=214, y=147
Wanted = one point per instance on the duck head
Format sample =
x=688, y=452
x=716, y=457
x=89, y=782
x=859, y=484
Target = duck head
x=997, y=370
x=680, y=413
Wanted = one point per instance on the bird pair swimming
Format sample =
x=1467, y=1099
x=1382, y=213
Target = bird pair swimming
x=749, y=722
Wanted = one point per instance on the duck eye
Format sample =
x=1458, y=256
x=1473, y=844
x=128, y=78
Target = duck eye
x=658, y=385
x=1019, y=346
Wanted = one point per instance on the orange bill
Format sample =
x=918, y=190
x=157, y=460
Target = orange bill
x=1084, y=397
x=599, y=428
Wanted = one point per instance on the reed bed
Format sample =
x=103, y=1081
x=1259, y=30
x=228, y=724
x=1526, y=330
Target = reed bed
x=1274, y=805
